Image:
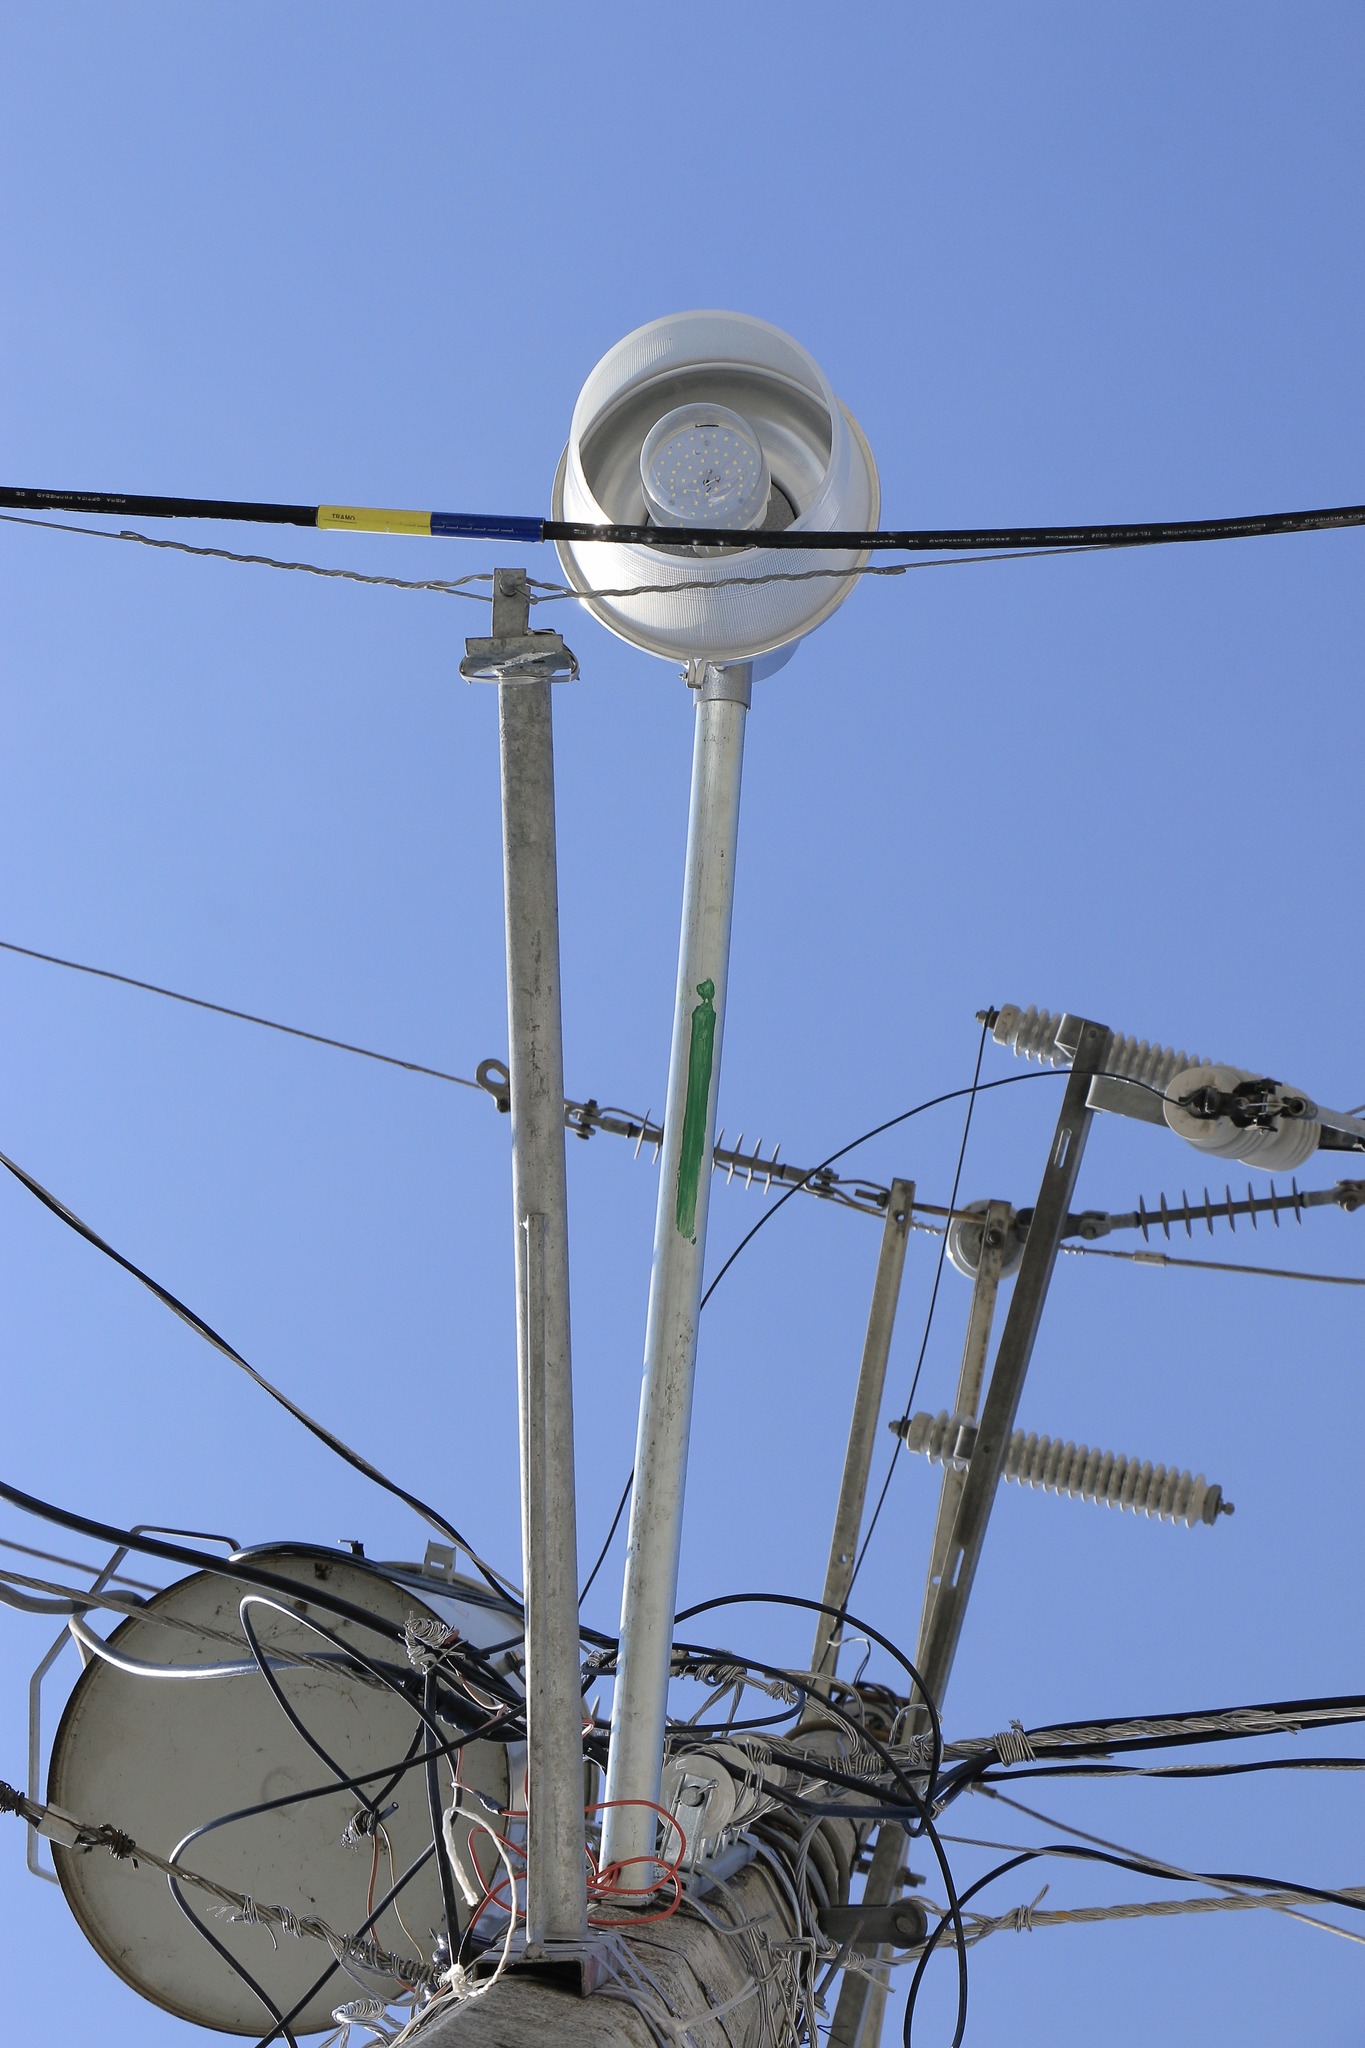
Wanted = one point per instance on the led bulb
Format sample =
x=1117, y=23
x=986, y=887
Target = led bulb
x=704, y=465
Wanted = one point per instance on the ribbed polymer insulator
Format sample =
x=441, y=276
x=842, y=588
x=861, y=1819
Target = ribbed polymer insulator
x=1033, y=1035
x=1074, y=1469
x=1048, y=1462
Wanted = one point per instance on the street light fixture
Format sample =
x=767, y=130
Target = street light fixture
x=700, y=420
x=678, y=425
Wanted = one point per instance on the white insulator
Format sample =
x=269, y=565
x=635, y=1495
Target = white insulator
x=1163, y=1492
x=1032, y=1033
x=1278, y=1148
x=937, y=1436
x=966, y=1241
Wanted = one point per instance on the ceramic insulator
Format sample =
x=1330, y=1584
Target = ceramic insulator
x=1032, y=1033
x=1162, y=1491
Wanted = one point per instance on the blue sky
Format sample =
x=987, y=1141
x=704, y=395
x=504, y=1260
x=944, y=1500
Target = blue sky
x=1064, y=263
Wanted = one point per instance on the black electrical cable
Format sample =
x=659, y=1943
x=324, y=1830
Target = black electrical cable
x=1289, y=1717
x=226, y=1820
x=419, y=1862
x=863, y=1628
x=956, y=540
x=934, y=1102
x=1177, y=1771
x=426, y=1716
x=120, y=504
x=449, y=1902
x=238, y=1968
x=917, y=1803
x=518, y=527
x=1225, y=1878
x=606, y=1545
x=348, y=1650
x=205, y=1330
x=285, y=1706
x=497, y=1728
x=953, y=1095
x=199, y=1560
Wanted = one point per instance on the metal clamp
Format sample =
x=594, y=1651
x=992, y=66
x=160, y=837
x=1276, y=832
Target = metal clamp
x=903, y=1924
x=537, y=657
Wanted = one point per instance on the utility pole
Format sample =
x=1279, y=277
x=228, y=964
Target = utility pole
x=556, y=1885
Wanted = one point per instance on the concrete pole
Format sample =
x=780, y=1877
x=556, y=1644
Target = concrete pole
x=556, y=1895
x=651, y=1579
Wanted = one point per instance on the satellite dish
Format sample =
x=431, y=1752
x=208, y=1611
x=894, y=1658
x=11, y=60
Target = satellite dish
x=712, y=419
x=158, y=1757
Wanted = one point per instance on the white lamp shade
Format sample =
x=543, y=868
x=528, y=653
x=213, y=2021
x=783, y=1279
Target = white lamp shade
x=823, y=479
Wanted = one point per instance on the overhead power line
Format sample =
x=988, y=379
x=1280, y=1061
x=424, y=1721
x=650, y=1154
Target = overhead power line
x=527, y=529
x=865, y=1196
x=176, y=995
x=196, y=1322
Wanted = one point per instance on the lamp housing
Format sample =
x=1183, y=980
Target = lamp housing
x=712, y=418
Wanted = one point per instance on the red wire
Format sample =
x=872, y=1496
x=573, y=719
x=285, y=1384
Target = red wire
x=603, y=1882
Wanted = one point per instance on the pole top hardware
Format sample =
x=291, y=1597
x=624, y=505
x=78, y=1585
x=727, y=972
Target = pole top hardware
x=519, y=658
x=514, y=653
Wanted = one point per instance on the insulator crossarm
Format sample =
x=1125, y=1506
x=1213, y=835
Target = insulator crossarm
x=1163, y=1215
x=1163, y=1492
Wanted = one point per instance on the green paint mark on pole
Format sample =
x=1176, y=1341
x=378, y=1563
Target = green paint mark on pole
x=701, y=1055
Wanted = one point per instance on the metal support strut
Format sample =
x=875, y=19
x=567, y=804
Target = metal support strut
x=556, y=1897
x=651, y=1578
x=862, y=1429
x=1088, y=1045
x=966, y=1504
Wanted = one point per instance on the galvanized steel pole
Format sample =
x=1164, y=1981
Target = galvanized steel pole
x=556, y=1898
x=862, y=1428
x=651, y=1578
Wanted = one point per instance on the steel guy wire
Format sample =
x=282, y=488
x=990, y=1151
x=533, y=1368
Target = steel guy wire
x=363, y=1052
x=77, y=1564
x=1027, y=1919
x=452, y=588
x=550, y=593
x=91, y=1835
x=583, y=1118
x=1166, y=1869
x=1090, y=1251
x=556, y=591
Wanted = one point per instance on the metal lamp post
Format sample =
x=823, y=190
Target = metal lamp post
x=703, y=419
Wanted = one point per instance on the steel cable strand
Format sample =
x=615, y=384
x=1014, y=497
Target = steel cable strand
x=371, y=1803
x=1141, y=1865
x=496, y=1728
x=418, y=1864
x=1140, y=1732
x=1273, y=1763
